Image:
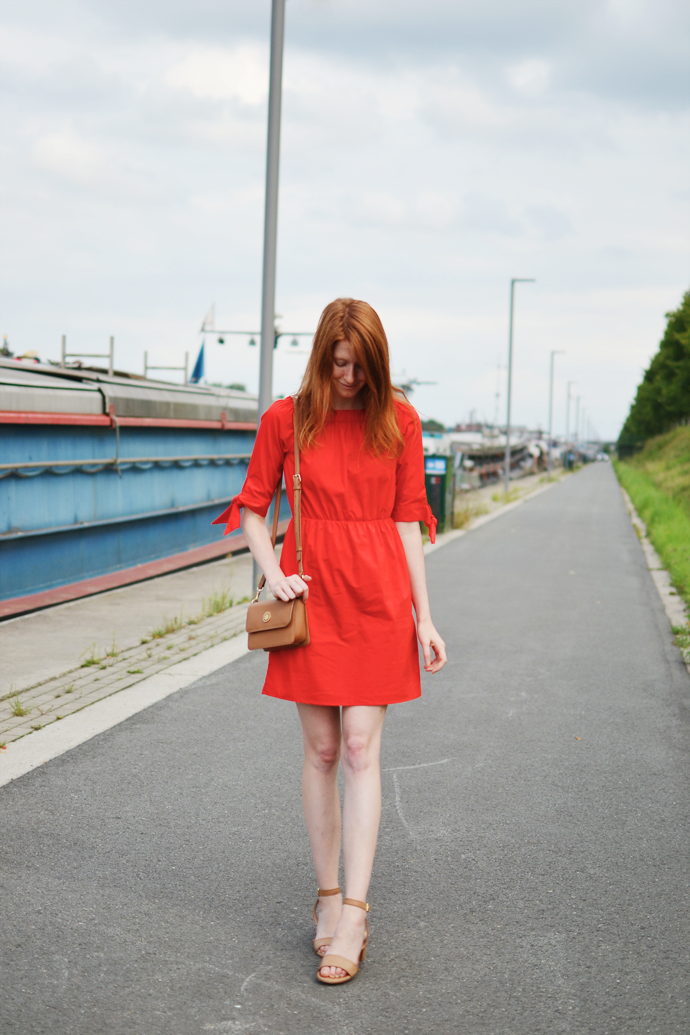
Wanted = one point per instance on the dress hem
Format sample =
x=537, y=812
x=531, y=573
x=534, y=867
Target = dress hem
x=338, y=703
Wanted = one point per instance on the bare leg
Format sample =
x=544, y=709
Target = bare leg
x=362, y=729
x=321, y=735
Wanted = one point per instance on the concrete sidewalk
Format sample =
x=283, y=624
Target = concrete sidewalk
x=531, y=877
x=47, y=643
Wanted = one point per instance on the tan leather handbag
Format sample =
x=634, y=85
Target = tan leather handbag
x=281, y=624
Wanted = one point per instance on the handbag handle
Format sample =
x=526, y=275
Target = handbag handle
x=296, y=511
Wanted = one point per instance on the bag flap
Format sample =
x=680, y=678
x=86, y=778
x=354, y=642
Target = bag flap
x=269, y=614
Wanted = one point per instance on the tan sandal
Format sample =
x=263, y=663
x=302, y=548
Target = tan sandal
x=348, y=966
x=319, y=942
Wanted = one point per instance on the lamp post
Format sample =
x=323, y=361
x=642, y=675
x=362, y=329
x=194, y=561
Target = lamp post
x=268, y=292
x=567, y=417
x=577, y=420
x=514, y=281
x=549, y=460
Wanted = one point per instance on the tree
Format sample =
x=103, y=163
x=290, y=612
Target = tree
x=663, y=397
x=432, y=425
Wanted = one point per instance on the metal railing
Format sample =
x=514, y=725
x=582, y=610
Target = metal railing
x=109, y=355
x=34, y=467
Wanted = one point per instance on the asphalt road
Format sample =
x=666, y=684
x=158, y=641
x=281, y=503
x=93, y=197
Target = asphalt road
x=532, y=877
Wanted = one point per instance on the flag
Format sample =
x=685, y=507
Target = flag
x=198, y=372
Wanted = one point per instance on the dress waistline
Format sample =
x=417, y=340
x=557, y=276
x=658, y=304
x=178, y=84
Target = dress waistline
x=347, y=521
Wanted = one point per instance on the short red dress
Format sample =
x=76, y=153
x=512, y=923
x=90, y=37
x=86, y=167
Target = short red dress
x=363, y=648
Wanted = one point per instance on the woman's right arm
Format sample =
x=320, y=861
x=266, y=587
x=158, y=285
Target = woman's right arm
x=284, y=587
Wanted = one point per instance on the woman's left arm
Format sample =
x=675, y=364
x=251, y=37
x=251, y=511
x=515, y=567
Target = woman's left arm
x=411, y=536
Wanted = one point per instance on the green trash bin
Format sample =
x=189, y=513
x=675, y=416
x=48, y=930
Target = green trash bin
x=439, y=475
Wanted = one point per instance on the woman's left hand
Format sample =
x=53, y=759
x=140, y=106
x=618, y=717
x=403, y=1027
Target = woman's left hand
x=429, y=638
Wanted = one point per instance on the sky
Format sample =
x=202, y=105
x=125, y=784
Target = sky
x=431, y=151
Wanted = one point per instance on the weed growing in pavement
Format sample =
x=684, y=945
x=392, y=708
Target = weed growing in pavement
x=113, y=652
x=219, y=600
x=466, y=510
x=134, y=671
x=93, y=657
x=17, y=708
x=506, y=497
x=3, y=745
x=37, y=726
x=69, y=689
x=169, y=625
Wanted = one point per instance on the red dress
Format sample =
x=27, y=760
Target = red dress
x=363, y=648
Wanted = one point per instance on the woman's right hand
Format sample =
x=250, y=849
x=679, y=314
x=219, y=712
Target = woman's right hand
x=290, y=586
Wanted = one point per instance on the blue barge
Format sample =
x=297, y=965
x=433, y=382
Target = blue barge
x=107, y=480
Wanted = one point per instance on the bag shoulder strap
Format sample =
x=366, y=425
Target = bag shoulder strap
x=296, y=510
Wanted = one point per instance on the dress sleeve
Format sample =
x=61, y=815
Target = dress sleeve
x=410, y=490
x=265, y=468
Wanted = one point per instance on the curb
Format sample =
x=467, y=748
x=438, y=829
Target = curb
x=674, y=605
x=27, y=753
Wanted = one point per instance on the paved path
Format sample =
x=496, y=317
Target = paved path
x=532, y=876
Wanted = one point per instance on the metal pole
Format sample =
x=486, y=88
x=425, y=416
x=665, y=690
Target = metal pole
x=111, y=361
x=186, y=368
x=268, y=291
x=567, y=422
x=146, y=363
x=63, y=348
x=514, y=281
x=549, y=460
x=577, y=420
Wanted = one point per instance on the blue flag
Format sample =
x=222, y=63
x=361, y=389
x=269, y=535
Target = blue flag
x=198, y=371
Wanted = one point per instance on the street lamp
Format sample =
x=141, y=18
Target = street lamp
x=514, y=281
x=268, y=290
x=577, y=420
x=567, y=418
x=549, y=460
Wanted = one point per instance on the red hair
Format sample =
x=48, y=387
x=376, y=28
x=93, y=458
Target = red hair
x=348, y=319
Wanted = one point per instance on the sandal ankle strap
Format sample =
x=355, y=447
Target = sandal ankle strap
x=321, y=893
x=356, y=902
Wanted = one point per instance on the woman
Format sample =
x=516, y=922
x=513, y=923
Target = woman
x=363, y=497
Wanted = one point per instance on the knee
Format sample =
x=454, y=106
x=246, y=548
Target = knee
x=357, y=752
x=324, y=756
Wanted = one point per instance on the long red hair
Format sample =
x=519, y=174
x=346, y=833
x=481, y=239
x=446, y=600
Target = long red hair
x=353, y=321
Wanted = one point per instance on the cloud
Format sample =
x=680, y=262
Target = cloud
x=219, y=73
x=426, y=159
x=531, y=78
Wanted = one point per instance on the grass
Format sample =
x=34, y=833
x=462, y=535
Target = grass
x=466, y=510
x=134, y=671
x=167, y=626
x=506, y=497
x=666, y=459
x=682, y=634
x=17, y=708
x=658, y=483
x=37, y=726
x=93, y=657
x=217, y=602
